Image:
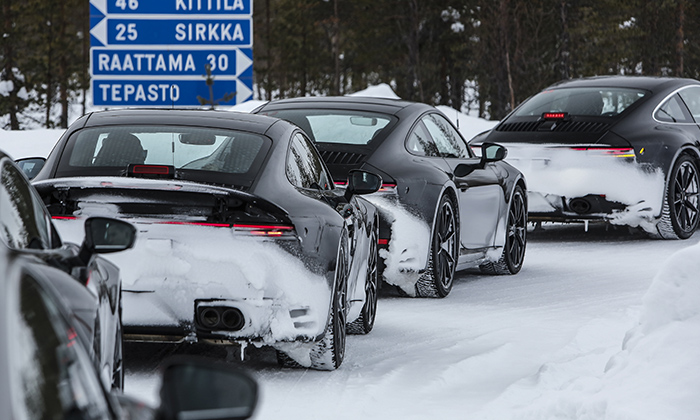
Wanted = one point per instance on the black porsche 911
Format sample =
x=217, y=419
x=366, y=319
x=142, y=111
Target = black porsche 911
x=620, y=149
x=46, y=371
x=31, y=247
x=443, y=209
x=243, y=237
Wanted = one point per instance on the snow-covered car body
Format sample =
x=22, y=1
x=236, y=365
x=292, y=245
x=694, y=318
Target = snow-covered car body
x=621, y=149
x=90, y=284
x=243, y=237
x=442, y=208
x=46, y=371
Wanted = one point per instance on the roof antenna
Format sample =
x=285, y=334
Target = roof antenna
x=457, y=114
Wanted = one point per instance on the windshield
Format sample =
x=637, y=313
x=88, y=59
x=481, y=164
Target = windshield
x=606, y=102
x=336, y=126
x=199, y=154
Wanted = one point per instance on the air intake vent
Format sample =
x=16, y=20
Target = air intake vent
x=519, y=126
x=560, y=127
x=342, y=158
x=581, y=127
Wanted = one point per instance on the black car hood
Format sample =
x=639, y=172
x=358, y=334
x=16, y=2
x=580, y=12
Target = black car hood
x=135, y=197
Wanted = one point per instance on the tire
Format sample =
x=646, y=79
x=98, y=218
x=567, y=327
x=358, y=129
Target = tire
x=118, y=363
x=365, y=323
x=444, y=252
x=329, y=352
x=511, y=260
x=679, y=216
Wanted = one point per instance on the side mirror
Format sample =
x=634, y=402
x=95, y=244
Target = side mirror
x=201, y=390
x=104, y=235
x=31, y=166
x=362, y=182
x=492, y=152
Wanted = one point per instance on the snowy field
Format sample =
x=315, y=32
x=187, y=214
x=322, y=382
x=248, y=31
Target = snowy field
x=597, y=325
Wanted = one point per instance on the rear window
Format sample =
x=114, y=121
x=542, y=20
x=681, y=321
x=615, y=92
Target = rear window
x=337, y=126
x=595, y=102
x=199, y=154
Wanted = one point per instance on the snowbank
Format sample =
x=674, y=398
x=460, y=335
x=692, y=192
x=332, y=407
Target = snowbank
x=649, y=377
x=29, y=143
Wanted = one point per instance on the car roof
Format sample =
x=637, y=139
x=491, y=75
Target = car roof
x=363, y=103
x=641, y=82
x=258, y=124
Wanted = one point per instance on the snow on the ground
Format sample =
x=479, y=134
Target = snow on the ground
x=596, y=326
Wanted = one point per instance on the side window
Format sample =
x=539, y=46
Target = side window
x=304, y=166
x=447, y=139
x=691, y=97
x=51, y=372
x=673, y=110
x=23, y=221
x=420, y=143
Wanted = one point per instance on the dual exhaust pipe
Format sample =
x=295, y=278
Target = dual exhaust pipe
x=222, y=318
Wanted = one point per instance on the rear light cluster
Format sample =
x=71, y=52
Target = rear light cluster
x=387, y=186
x=619, y=152
x=265, y=230
x=270, y=231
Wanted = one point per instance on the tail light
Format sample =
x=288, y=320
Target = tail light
x=388, y=187
x=618, y=152
x=264, y=230
x=268, y=231
x=195, y=224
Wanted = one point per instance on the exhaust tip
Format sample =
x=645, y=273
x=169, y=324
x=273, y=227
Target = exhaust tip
x=232, y=319
x=209, y=317
x=224, y=318
x=580, y=205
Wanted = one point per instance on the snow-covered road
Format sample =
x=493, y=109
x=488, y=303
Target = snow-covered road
x=533, y=346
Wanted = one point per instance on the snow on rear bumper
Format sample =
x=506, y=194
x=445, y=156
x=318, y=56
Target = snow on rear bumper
x=264, y=321
x=172, y=268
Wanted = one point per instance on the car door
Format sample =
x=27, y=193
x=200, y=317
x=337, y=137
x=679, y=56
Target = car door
x=480, y=194
x=26, y=224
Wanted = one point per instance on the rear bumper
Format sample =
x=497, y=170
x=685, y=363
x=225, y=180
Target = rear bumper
x=550, y=207
x=264, y=321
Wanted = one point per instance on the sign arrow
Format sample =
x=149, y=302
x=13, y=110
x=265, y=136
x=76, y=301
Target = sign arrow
x=242, y=61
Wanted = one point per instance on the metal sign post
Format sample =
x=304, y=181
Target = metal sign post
x=155, y=53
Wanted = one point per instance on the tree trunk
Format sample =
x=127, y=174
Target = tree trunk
x=680, y=38
x=8, y=55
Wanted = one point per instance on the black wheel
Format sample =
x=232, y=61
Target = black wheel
x=365, y=323
x=444, y=250
x=329, y=352
x=679, y=217
x=511, y=260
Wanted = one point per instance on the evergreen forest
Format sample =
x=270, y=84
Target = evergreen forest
x=485, y=56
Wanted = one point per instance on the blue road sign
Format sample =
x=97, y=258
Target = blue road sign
x=186, y=32
x=163, y=62
x=185, y=7
x=163, y=92
x=154, y=53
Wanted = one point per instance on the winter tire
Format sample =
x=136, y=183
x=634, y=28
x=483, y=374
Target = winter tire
x=679, y=217
x=444, y=252
x=511, y=260
x=365, y=323
x=329, y=352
